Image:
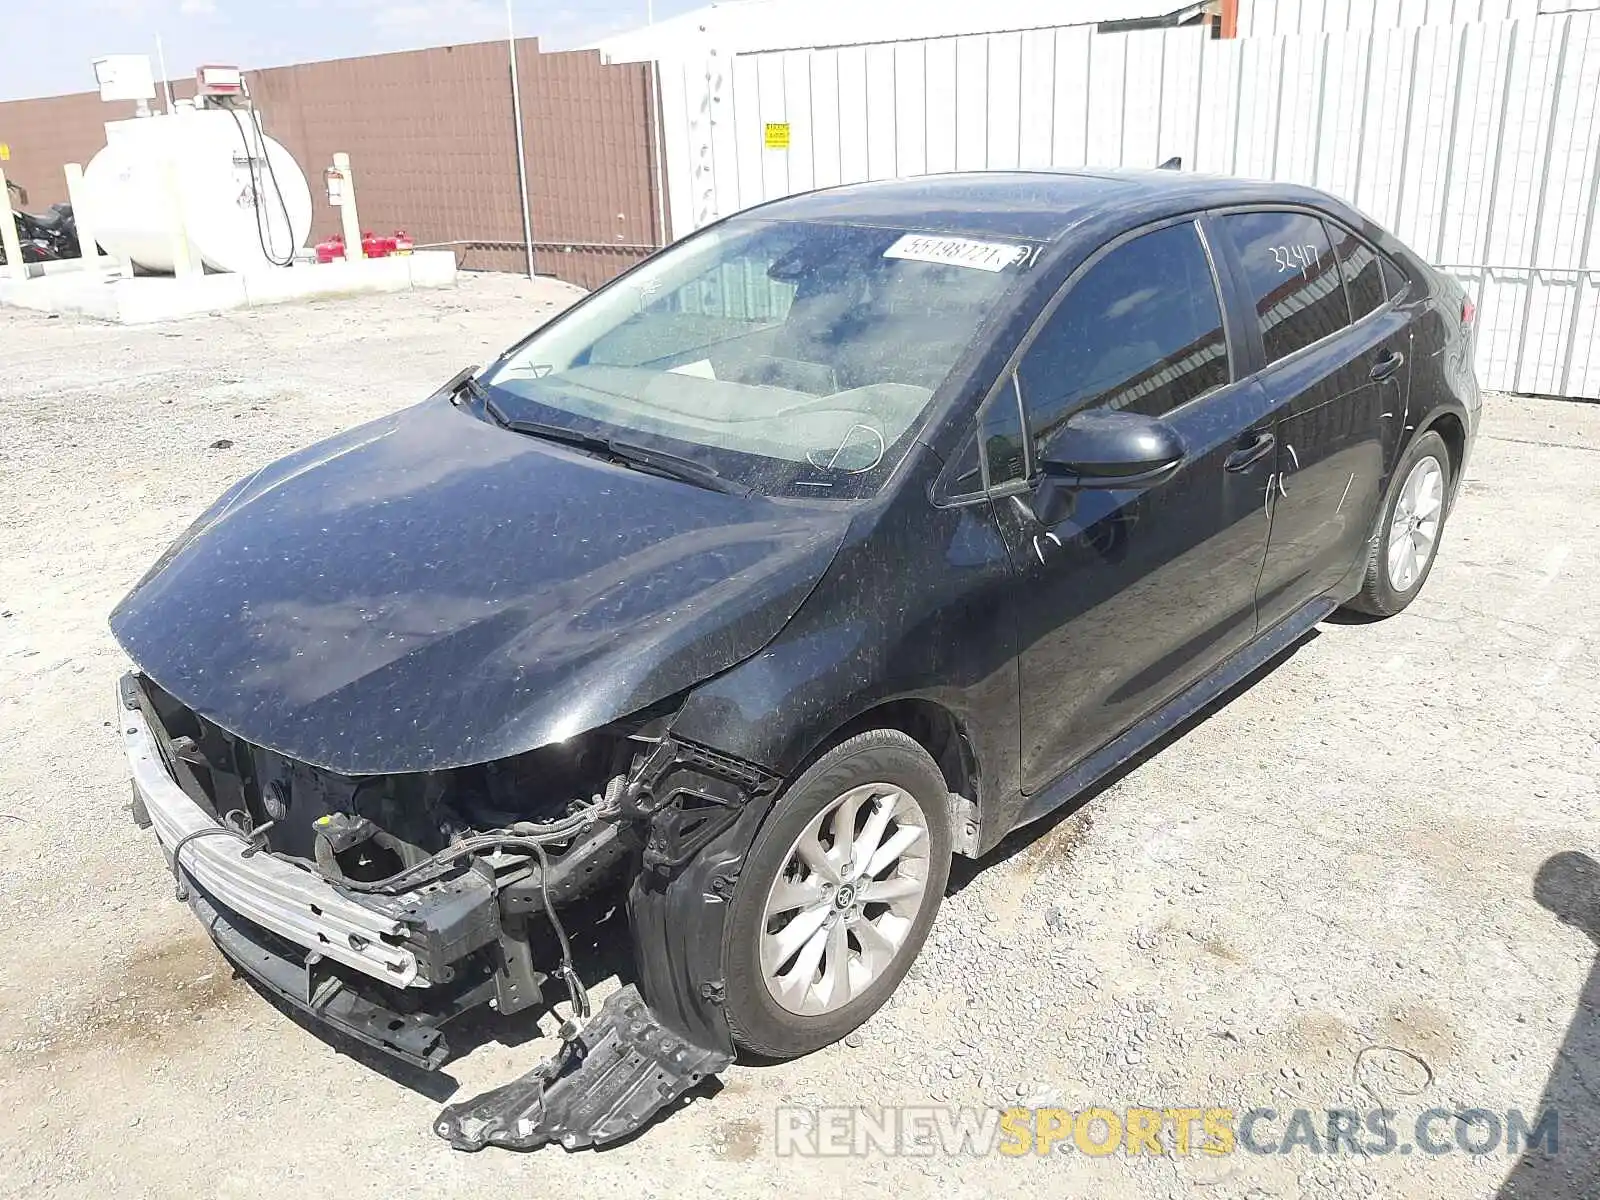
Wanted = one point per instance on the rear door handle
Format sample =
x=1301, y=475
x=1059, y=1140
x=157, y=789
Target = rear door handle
x=1386, y=366
x=1247, y=456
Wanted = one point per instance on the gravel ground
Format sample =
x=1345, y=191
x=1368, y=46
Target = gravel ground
x=1322, y=895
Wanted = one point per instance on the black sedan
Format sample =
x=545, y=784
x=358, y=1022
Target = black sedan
x=846, y=535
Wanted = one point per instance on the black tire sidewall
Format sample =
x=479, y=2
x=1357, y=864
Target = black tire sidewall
x=759, y=1024
x=1429, y=445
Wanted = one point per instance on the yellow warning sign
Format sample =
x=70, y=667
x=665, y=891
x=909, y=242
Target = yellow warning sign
x=777, y=135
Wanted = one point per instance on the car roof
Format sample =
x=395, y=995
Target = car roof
x=1037, y=205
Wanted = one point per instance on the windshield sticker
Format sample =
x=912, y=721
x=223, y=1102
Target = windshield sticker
x=958, y=252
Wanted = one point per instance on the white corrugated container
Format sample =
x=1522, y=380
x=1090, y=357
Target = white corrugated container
x=210, y=166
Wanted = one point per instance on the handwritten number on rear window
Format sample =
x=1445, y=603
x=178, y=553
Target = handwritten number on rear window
x=1295, y=258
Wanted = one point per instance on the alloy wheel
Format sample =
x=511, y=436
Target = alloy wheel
x=1414, y=529
x=840, y=910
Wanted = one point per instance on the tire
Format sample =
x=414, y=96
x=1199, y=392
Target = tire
x=881, y=769
x=1383, y=592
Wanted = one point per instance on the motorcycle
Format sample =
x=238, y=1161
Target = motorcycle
x=45, y=237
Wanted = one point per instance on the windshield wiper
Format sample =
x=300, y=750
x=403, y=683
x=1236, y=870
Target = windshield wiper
x=640, y=458
x=465, y=382
x=675, y=466
x=588, y=442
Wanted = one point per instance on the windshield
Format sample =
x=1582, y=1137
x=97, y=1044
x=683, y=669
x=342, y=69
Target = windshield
x=795, y=358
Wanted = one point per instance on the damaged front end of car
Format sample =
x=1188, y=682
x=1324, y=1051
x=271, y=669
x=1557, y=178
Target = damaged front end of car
x=402, y=696
x=386, y=906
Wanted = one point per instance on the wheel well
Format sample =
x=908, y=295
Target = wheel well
x=1448, y=426
x=931, y=726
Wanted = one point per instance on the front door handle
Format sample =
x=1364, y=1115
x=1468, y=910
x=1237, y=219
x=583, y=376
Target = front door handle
x=1386, y=366
x=1260, y=445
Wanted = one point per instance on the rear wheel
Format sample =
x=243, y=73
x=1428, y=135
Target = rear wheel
x=837, y=896
x=1403, y=547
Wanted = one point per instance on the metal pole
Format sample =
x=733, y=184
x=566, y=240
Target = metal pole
x=1282, y=45
x=1405, y=136
x=349, y=214
x=1366, y=103
x=88, y=246
x=1494, y=174
x=522, y=156
x=1238, y=106
x=1450, y=143
x=15, y=267
x=161, y=57
x=1322, y=108
x=658, y=120
x=1161, y=95
x=1544, y=191
x=1122, y=117
x=1583, y=261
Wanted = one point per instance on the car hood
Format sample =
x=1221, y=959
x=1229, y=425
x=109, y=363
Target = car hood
x=430, y=591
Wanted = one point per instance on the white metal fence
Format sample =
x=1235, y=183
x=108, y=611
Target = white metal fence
x=1265, y=17
x=1478, y=144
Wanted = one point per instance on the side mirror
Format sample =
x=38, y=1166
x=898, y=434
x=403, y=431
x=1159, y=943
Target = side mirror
x=1106, y=448
x=1100, y=449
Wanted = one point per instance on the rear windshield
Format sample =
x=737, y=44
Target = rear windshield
x=796, y=357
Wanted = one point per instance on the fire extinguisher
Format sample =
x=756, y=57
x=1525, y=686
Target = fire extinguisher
x=403, y=243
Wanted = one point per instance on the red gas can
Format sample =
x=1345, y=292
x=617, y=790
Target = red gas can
x=402, y=242
x=331, y=249
x=376, y=246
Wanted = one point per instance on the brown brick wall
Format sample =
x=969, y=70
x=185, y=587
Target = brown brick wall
x=432, y=144
x=45, y=135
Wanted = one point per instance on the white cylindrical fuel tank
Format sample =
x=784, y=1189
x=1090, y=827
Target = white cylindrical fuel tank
x=212, y=165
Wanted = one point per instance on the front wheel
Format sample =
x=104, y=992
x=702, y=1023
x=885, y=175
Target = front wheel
x=837, y=895
x=1403, y=547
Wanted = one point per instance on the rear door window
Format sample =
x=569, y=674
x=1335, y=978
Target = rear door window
x=1362, y=268
x=1140, y=330
x=1291, y=276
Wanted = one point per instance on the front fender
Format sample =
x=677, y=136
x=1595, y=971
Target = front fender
x=920, y=607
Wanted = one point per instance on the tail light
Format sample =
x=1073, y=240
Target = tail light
x=1469, y=311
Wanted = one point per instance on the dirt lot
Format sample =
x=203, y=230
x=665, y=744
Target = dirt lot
x=1321, y=896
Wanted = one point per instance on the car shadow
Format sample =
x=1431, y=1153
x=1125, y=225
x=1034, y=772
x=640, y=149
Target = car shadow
x=964, y=870
x=1568, y=885
x=1346, y=616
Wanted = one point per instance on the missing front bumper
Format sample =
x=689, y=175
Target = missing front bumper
x=341, y=999
x=292, y=903
x=391, y=971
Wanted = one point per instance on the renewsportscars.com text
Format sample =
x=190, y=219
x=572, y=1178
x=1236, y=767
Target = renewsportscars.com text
x=1098, y=1132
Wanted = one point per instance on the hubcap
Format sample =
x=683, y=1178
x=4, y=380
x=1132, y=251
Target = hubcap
x=1414, y=532
x=843, y=904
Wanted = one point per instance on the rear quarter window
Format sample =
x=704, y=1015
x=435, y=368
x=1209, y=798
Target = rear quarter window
x=1395, y=281
x=1363, y=269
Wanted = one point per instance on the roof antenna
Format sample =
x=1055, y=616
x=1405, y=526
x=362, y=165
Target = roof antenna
x=1172, y=164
